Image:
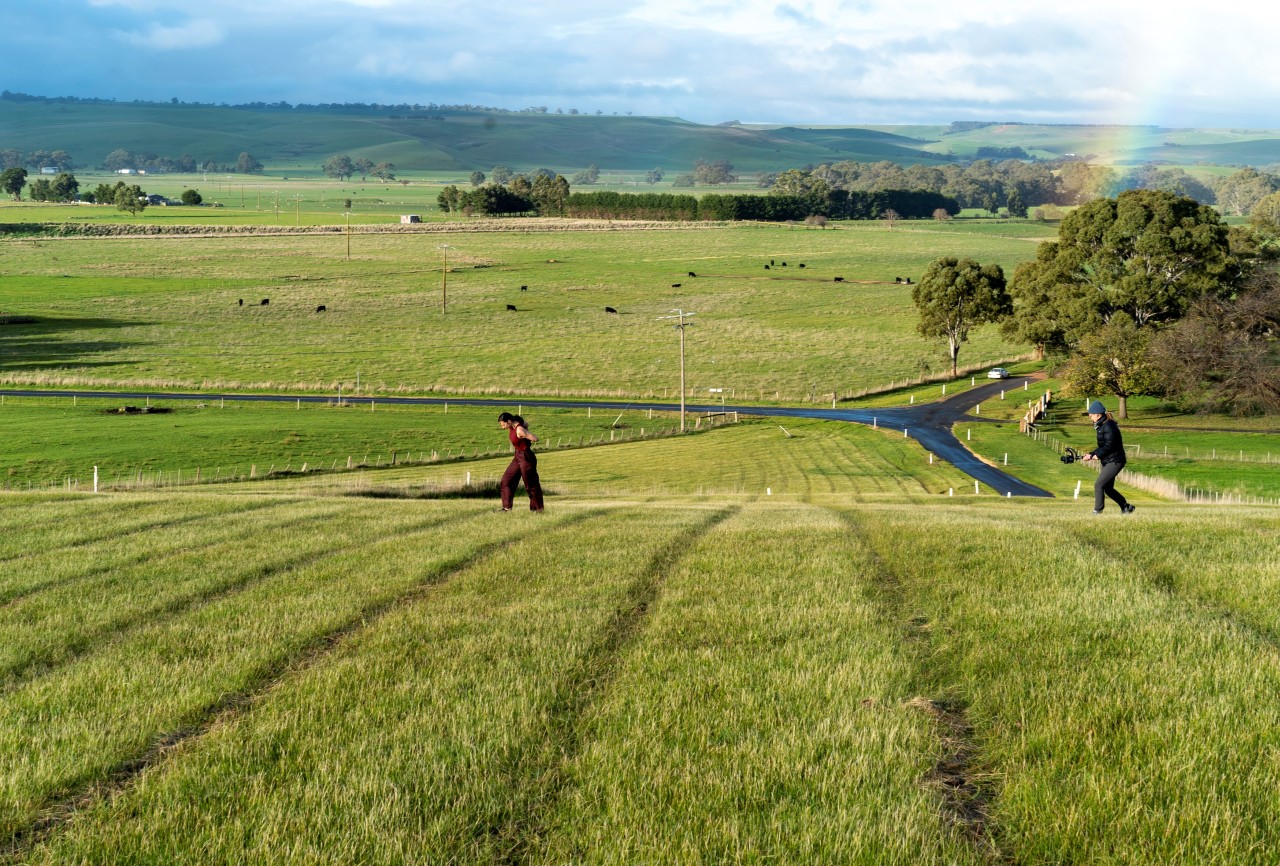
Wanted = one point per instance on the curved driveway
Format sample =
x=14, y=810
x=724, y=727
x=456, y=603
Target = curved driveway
x=929, y=423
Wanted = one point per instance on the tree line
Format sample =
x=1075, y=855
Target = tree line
x=1148, y=293
x=1016, y=185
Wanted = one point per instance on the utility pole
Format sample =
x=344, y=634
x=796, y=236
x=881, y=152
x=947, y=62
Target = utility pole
x=444, y=277
x=348, y=235
x=680, y=326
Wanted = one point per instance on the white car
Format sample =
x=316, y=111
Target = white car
x=997, y=373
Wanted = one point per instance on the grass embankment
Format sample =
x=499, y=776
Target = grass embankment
x=165, y=312
x=49, y=441
x=674, y=681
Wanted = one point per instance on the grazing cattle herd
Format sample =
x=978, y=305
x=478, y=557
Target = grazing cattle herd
x=511, y=308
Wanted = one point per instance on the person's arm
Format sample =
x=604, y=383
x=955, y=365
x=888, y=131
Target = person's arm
x=523, y=433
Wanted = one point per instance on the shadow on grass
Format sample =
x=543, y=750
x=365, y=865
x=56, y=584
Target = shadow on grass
x=35, y=342
x=486, y=490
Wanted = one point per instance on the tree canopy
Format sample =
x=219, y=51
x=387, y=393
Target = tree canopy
x=956, y=295
x=12, y=180
x=1146, y=253
x=339, y=167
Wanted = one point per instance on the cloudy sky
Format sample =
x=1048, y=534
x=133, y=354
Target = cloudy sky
x=770, y=61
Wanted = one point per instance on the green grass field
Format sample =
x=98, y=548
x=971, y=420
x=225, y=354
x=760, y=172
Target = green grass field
x=803, y=642
x=835, y=674
x=164, y=313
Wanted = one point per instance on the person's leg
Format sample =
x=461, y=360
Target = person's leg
x=1107, y=478
x=1099, y=486
x=532, y=484
x=507, y=486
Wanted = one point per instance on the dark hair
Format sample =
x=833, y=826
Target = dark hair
x=507, y=416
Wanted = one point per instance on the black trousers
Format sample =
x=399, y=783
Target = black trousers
x=1106, y=486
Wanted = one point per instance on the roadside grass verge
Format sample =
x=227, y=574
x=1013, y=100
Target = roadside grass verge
x=800, y=458
x=230, y=439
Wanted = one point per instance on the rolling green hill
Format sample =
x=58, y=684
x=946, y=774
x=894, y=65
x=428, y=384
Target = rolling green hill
x=301, y=139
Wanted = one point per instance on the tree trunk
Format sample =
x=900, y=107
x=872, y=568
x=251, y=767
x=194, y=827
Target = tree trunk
x=954, y=345
x=1122, y=411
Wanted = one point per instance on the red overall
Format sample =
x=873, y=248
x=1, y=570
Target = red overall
x=523, y=466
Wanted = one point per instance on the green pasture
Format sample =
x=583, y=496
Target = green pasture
x=831, y=673
x=163, y=312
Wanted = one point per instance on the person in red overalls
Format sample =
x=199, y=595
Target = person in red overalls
x=523, y=465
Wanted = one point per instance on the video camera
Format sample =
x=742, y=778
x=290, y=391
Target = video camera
x=1071, y=456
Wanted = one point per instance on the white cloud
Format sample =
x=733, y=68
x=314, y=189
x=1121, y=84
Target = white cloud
x=198, y=33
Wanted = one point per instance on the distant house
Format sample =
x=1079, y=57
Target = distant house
x=49, y=169
x=157, y=199
x=407, y=218
x=124, y=171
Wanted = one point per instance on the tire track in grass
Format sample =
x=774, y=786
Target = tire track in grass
x=13, y=593
x=20, y=512
x=963, y=803
x=79, y=794
x=97, y=533
x=517, y=840
x=41, y=661
x=1172, y=582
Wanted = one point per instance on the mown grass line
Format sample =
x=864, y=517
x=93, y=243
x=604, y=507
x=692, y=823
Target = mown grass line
x=1202, y=562
x=40, y=633
x=69, y=528
x=962, y=801
x=405, y=744
x=177, y=682
x=1117, y=722
x=540, y=784
x=45, y=568
x=759, y=716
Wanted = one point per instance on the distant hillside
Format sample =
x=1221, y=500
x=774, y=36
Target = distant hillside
x=1117, y=145
x=425, y=139
x=431, y=140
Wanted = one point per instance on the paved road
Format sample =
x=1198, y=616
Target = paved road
x=929, y=423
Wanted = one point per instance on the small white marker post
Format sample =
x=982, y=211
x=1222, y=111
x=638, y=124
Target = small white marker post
x=951, y=491
x=930, y=459
x=968, y=435
x=973, y=380
x=904, y=432
x=468, y=479
x=1002, y=395
x=768, y=491
x=874, y=425
x=1006, y=458
x=1008, y=494
x=913, y=399
x=975, y=487
x=944, y=389
x=977, y=410
x=95, y=479
x=1077, y=496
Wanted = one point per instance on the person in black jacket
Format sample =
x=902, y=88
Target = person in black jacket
x=1110, y=453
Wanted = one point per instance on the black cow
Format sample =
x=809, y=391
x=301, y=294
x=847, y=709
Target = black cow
x=766, y=267
x=321, y=308
x=676, y=285
x=265, y=301
x=610, y=310
x=692, y=274
x=897, y=279
x=771, y=261
x=511, y=307
x=907, y=281
x=524, y=288
x=784, y=264
x=242, y=302
x=839, y=279
x=802, y=264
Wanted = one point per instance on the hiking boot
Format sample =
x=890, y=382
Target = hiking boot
x=1128, y=509
x=1097, y=511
